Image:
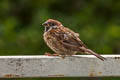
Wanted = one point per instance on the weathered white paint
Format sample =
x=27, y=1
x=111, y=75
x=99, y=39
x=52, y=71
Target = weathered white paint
x=46, y=66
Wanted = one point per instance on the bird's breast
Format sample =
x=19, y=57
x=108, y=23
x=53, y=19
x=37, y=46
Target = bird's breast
x=50, y=39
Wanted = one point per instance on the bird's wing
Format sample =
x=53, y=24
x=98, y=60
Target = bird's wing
x=75, y=36
x=70, y=40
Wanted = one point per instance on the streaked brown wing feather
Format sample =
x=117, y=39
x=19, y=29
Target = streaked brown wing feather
x=71, y=47
x=70, y=41
x=73, y=38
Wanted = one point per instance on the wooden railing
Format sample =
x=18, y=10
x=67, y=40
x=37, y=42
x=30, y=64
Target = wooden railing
x=47, y=66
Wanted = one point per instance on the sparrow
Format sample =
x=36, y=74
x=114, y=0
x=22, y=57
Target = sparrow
x=63, y=41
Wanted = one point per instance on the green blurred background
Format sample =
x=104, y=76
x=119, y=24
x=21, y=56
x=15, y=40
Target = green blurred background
x=97, y=22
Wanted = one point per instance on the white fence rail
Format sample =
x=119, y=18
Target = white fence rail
x=46, y=66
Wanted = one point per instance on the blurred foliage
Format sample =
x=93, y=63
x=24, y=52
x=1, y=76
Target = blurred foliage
x=97, y=22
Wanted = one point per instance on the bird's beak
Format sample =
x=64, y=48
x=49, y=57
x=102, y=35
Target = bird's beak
x=45, y=24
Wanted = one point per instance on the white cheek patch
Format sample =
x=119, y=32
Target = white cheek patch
x=47, y=29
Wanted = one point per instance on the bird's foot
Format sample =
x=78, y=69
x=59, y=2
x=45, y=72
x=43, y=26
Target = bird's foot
x=62, y=56
x=49, y=54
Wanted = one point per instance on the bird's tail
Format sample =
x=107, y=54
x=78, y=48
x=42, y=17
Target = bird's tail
x=88, y=51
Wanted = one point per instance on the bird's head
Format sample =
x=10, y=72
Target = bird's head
x=50, y=24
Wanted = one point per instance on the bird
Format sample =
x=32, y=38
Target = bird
x=63, y=41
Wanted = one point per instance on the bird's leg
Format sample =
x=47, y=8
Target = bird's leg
x=49, y=54
x=63, y=56
x=55, y=54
